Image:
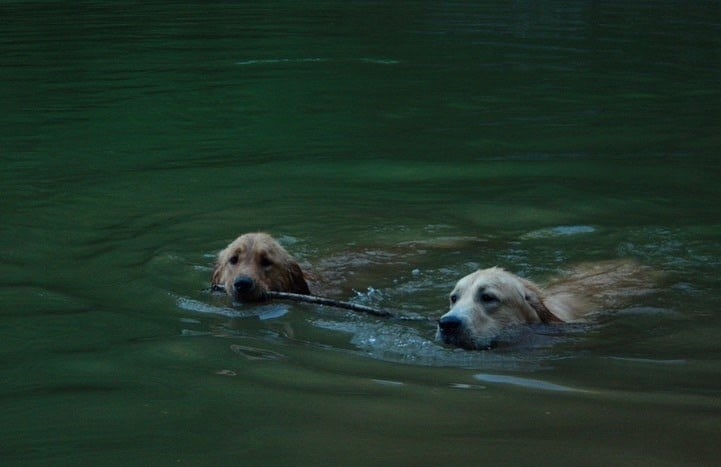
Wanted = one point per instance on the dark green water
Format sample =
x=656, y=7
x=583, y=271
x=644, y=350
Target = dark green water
x=394, y=147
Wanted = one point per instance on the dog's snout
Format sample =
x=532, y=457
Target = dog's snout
x=244, y=284
x=449, y=324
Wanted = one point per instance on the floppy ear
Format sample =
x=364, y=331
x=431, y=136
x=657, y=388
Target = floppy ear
x=217, y=272
x=532, y=295
x=216, y=275
x=297, y=280
x=218, y=269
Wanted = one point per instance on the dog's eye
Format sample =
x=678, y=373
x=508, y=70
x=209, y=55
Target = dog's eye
x=488, y=297
x=266, y=262
x=454, y=298
x=233, y=259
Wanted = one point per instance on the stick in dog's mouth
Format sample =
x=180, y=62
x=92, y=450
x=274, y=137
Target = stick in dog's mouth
x=218, y=288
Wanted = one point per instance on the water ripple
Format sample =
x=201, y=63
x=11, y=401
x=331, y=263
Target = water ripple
x=279, y=61
x=524, y=382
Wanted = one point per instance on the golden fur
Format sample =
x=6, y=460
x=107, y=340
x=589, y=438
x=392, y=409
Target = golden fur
x=489, y=301
x=254, y=264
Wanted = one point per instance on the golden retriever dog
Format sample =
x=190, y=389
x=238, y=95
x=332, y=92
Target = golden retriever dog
x=255, y=264
x=488, y=302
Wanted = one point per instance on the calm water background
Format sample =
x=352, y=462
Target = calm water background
x=396, y=147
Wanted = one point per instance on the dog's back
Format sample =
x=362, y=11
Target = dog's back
x=603, y=285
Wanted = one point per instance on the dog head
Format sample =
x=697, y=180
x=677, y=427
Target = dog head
x=254, y=264
x=487, y=302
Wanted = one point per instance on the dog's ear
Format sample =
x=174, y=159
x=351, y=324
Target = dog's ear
x=216, y=274
x=297, y=279
x=534, y=298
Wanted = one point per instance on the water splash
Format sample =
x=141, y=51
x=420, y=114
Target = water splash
x=559, y=231
x=262, y=312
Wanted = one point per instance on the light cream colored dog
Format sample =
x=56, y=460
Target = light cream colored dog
x=488, y=302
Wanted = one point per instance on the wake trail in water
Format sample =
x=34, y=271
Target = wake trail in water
x=282, y=61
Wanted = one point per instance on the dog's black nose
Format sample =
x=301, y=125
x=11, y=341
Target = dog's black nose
x=449, y=324
x=244, y=284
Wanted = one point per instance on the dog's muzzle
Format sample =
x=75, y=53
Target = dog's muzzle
x=450, y=330
x=449, y=325
x=246, y=289
x=453, y=332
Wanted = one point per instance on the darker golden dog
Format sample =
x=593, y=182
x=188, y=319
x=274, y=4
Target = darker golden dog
x=255, y=264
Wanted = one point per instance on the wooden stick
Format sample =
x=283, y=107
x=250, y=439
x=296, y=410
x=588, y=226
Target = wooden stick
x=330, y=302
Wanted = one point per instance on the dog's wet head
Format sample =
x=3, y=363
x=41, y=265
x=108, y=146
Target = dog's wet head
x=254, y=264
x=483, y=306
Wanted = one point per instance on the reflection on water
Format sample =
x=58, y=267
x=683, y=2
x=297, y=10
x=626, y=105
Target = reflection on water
x=281, y=61
x=254, y=353
x=523, y=382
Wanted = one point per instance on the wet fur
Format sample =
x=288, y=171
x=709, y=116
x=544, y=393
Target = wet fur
x=254, y=264
x=488, y=302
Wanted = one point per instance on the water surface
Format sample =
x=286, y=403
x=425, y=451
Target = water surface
x=393, y=148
